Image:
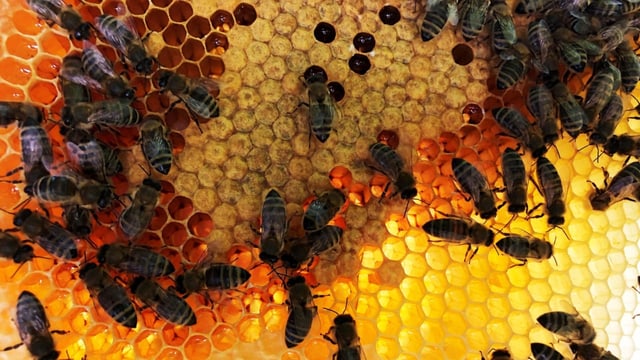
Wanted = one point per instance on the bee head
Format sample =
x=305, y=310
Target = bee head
x=268, y=258
x=102, y=253
x=180, y=288
x=343, y=319
x=163, y=78
x=82, y=32
x=155, y=184
x=86, y=268
x=106, y=195
x=612, y=145
x=295, y=280
x=40, y=344
x=21, y=217
x=145, y=66
x=24, y=254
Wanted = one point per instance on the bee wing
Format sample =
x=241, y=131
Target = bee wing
x=117, y=31
x=47, y=10
x=207, y=83
x=103, y=64
x=79, y=78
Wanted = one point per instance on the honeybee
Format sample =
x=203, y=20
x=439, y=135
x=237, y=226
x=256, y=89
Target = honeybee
x=571, y=327
x=85, y=153
x=52, y=237
x=67, y=190
x=297, y=251
x=321, y=210
x=513, y=67
x=436, y=16
x=612, y=35
x=519, y=127
x=498, y=354
x=35, y=143
x=503, y=30
x=623, y=144
x=344, y=334
x=572, y=54
x=460, y=231
x=165, y=303
x=33, y=327
x=572, y=116
x=629, y=66
x=323, y=110
x=156, y=146
x=63, y=15
x=195, y=93
x=12, y=111
x=127, y=41
x=591, y=352
x=78, y=220
x=552, y=190
x=515, y=180
x=301, y=311
x=72, y=92
x=541, y=105
x=388, y=162
x=109, y=294
x=137, y=260
x=624, y=185
x=107, y=112
x=599, y=91
x=13, y=248
x=525, y=247
x=135, y=219
x=31, y=176
x=473, y=14
x=540, y=43
x=211, y=276
x=476, y=185
x=608, y=120
x=530, y=7
x=100, y=70
x=273, y=227
x=544, y=352
x=112, y=163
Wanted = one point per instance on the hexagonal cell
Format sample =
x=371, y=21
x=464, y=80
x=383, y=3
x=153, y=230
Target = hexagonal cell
x=217, y=43
x=212, y=66
x=157, y=20
x=245, y=14
x=193, y=50
x=174, y=35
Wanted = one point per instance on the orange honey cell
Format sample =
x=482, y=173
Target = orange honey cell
x=197, y=347
x=175, y=335
x=170, y=354
x=340, y=177
x=261, y=275
x=377, y=184
x=169, y=57
x=27, y=23
x=240, y=255
x=148, y=343
x=192, y=50
x=469, y=135
x=15, y=71
x=180, y=208
x=180, y=11
x=174, y=233
x=177, y=119
x=428, y=149
x=359, y=194
x=54, y=44
x=156, y=102
x=167, y=192
x=206, y=320
x=222, y=20
x=10, y=93
x=444, y=186
x=149, y=239
x=212, y=66
x=198, y=27
x=63, y=275
x=224, y=337
x=21, y=46
x=200, y=225
x=161, y=3
x=177, y=142
x=255, y=301
x=449, y=142
x=43, y=92
x=47, y=68
x=175, y=35
x=194, y=250
x=231, y=310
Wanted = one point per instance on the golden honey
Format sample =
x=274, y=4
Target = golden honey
x=411, y=298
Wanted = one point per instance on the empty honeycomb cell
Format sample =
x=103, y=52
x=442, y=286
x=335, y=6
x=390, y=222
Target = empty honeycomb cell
x=174, y=35
x=193, y=50
x=222, y=20
x=157, y=20
x=200, y=224
x=390, y=299
x=193, y=250
x=180, y=208
x=212, y=66
x=180, y=11
x=169, y=57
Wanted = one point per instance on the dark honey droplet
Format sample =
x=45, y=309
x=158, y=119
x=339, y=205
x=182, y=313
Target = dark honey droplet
x=359, y=64
x=222, y=20
x=364, y=42
x=389, y=15
x=324, y=32
x=473, y=113
x=336, y=90
x=245, y=14
x=315, y=73
x=389, y=137
x=462, y=54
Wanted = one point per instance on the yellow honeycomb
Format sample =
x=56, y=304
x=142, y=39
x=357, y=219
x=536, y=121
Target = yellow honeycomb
x=412, y=299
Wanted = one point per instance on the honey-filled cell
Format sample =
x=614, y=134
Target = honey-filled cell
x=198, y=27
x=175, y=35
x=157, y=20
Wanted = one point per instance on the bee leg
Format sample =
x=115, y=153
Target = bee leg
x=60, y=332
x=328, y=338
x=12, y=347
x=473, y=253
x=529, y=216
x=523, y=262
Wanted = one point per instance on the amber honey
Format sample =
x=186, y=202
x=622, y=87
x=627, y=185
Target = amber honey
x=411, y=298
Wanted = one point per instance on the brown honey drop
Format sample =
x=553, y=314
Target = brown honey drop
x=157, y=20
x=200, y=225
x=245, y=14
x=217, y=42
x=473, y=113
x=180, y=11
x=222, y=20
x=364, y=42
x=389, y=138
x=462, y=54
x=359, y=64
x=336, y=90
x=198, y=27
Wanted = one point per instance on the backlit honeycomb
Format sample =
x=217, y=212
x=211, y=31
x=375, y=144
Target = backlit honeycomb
x=412, y=299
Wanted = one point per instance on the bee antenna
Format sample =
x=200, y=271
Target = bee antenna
x=333, y=311
x=582, y=148
x=22, y=204
x=144, y=170
x=7, y=212
x=18, y=269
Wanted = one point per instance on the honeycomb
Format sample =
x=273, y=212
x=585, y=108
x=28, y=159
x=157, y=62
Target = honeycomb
x=412, y=299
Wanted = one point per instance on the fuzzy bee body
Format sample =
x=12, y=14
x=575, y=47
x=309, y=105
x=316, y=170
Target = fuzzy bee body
x=629, y=66
x=301, y=311
x=572, y=116
x=475, y=184
x=325, y=238
x=503, y=30
x=388, y=162
x=435, y=19
x=13, y=248
x=525, y=247
x=135, y=219
x=98, y=68
x=540, y=43
x=77, y=220
x=35, y=144
x=519, y=127
x=52, y=237
x=63, y=15
x=608, y=120
x=156, y=146
x=137, y=260
x=541, y=105
x=624, y=185
x=274, y=226
x=551, y=186
x=321, y=210
x=628, y=145
x=572, y=327
x=460, y=231
x=473, y=14
x=544, y=352
x=344, y=334
x=127, y=41
x=165, y=303
x=515, y=180
x=109, y=294
x=212, y=276
x=33, y=327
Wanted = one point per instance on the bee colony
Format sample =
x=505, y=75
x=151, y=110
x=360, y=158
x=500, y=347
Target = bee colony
x=256, y=140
